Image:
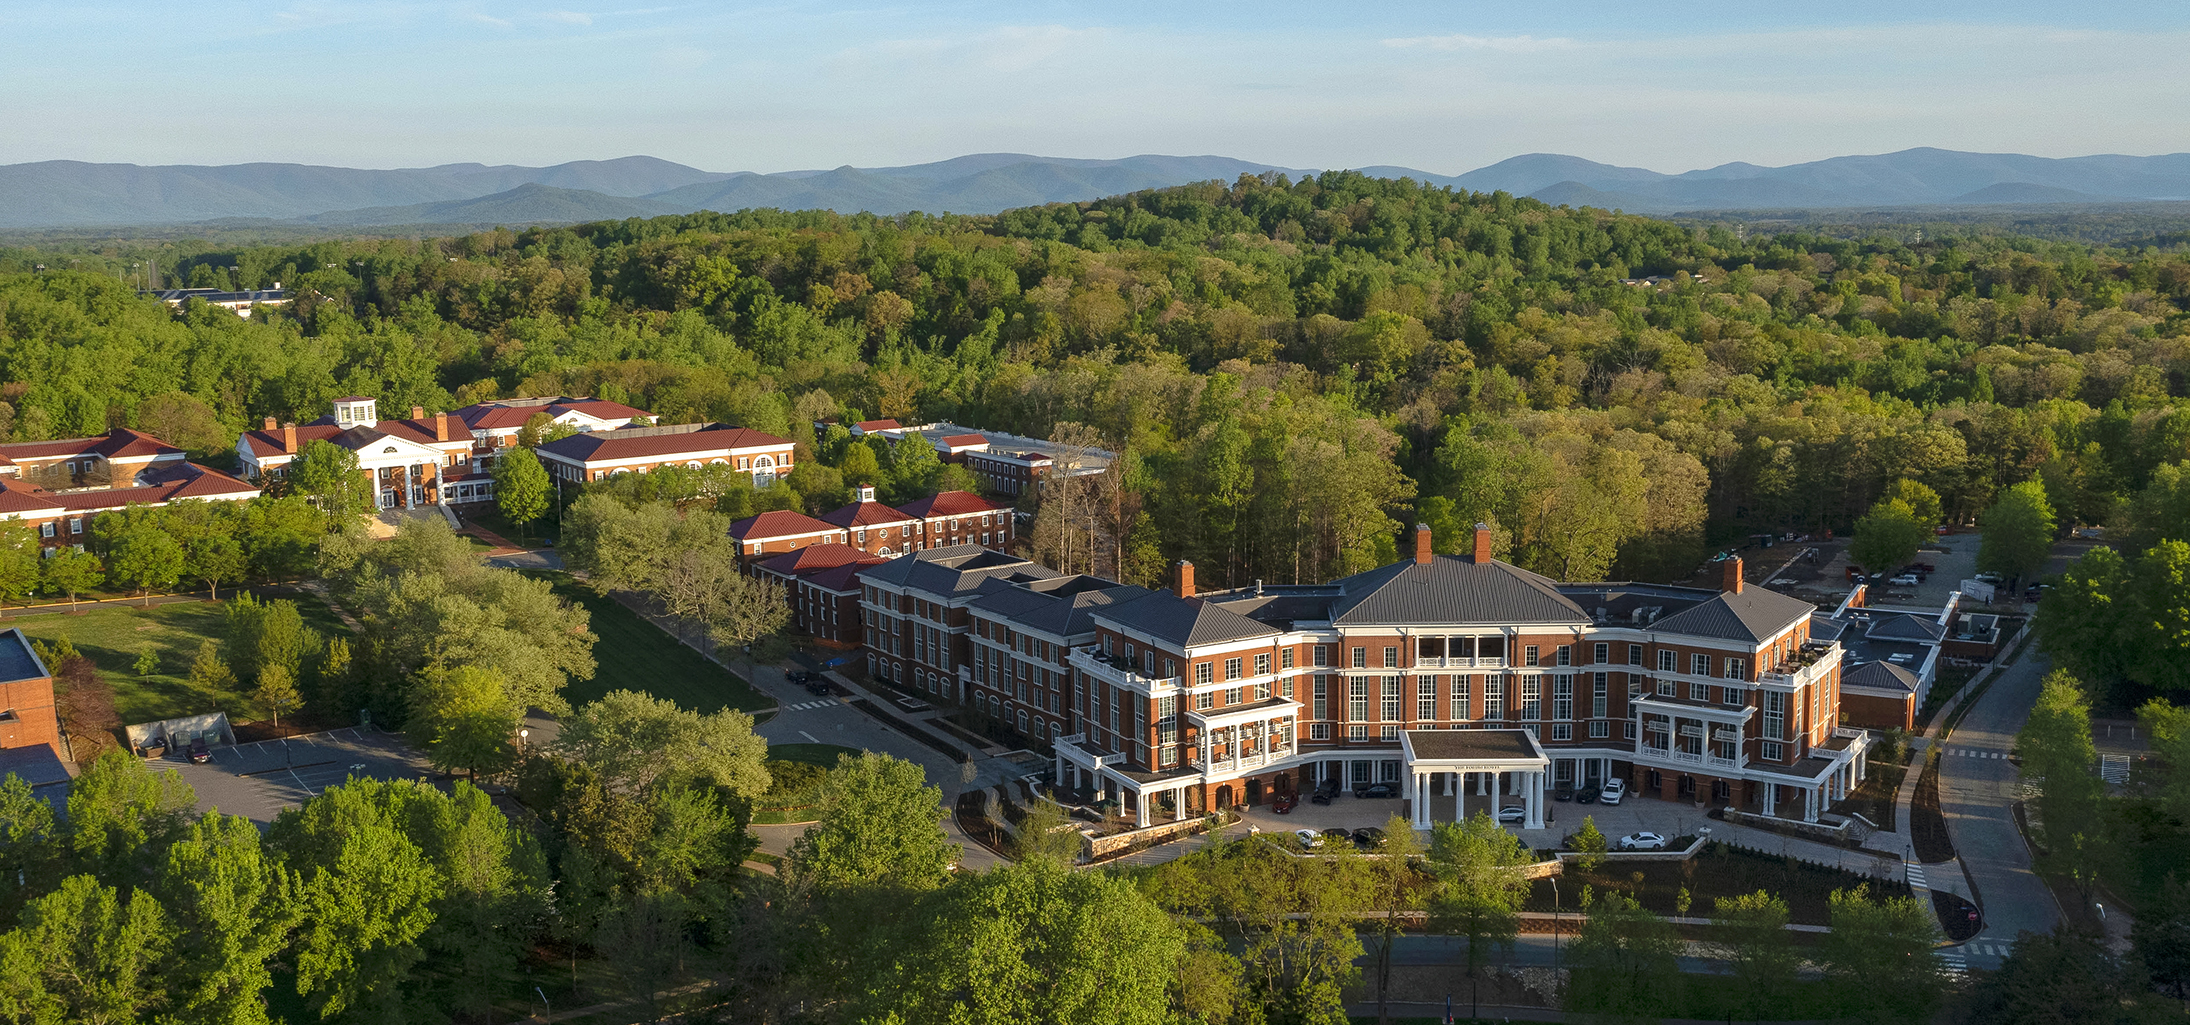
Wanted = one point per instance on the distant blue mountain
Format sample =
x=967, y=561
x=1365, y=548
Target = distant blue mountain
x=70, y=193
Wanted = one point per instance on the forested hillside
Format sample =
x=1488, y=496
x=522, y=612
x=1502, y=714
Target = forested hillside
x=1292, y=369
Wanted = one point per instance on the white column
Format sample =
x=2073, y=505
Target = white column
x=1482, y=784
x=1178, y=803
x=1771, y=797
x=1449, y=777
x=1421, y=801
x=1532, y=796
x=1809, y=804
x=1140, y=808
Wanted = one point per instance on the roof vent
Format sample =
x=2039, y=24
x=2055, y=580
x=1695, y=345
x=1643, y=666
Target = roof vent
x=1600, y=614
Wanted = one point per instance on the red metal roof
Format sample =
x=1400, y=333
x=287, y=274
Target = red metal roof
x=865, y=514
x=679, y=441
x=778, y=523
x=505, y=413
x=880, y=425
x=816, y=558
x=949, y=503
x=119, y=443
x=964, y=440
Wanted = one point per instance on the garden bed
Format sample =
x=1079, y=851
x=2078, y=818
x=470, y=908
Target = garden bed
x=973, y=818
x=1927, y=823
x=1719, y=871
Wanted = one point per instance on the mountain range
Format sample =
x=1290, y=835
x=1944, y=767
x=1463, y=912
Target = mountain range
x=63, y=193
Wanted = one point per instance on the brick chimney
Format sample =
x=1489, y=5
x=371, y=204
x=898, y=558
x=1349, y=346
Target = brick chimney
x=1730, y=576
x=1186, y=579
x=1422, y=553
x=418, y=412
x=289, y=437
x=1482, y=543
x=441, y=427
x=270, y=425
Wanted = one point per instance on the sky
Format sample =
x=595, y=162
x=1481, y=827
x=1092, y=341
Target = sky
x=1443, y=87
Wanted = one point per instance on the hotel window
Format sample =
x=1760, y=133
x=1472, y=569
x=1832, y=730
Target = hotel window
x=1774, y=752
x=1319, y=731
x=1323, y=654
x=1562, y=696
x=1361, y=658
x=45, y=529
x=1735, y=669
x=1600, y=695
x=1566, y=654
x=1733, y=695
x=76, y=525
x=1562, y=731
x=1262, y=664
x=1699, y=665
x=1668, y=689
x=1600, y=730
x=1285, y=687
x=1666, y=662
x=1699, y=692
x=1494, y=697
x=1285, y=658
x=1232, y=697
x=1775, y=715
x=1170, y=669
x=1604, y=653
x=1262, y=689
x=1203, y=674
x=1357, y=733
x=1425, y=697
x=1528, y=655
x=1634, y=654
x=1627, y=729
x=1387, y=733
x=1388, y=708
x=1532, y=698
x=1460, y=708
x=1391, y=658
x=1357, y=698
x=1205, y=700
x=1231, y=669
x=1321, y=703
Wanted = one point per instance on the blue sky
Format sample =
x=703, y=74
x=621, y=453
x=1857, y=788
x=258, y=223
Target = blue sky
x=1444, y=87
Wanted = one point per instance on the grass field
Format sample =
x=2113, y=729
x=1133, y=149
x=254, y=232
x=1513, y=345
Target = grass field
x=112, y=636
x=634, y=654
x=824, y=755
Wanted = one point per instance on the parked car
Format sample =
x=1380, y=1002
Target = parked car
x=1904, y=580
x=1324, y=792
x=1586, y=795
x=1337, y=835
x=1308, y=838
x=1988, y=578
x=1642, y=842
x=199, y=752
x=1565, y=792
x=1614, y=789
x=1512, y=813
x=1369, y=836
x=1284, y=804
x=1375, y=790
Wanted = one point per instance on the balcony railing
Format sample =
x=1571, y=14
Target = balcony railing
x=1460, y=662
x=1811, y=665
x=1108, y=669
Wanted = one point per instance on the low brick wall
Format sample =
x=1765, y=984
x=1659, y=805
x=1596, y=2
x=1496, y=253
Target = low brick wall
x=1681, y=855
x=1100, y=847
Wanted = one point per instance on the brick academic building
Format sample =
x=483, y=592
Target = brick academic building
x=1440, y=674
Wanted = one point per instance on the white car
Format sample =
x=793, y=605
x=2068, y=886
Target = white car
x=1904, y=580
x=1512, y=813
x=1308, y=838
x=1614, y=789
x=1641, y=842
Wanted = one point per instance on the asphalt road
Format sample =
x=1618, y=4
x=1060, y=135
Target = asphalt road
x=1977, y=790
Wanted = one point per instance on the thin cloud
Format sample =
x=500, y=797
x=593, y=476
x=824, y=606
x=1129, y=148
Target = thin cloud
x=1462, y=41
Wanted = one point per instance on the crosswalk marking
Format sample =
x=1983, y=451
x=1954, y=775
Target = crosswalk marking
x=1916, y=875
x=803, y=705
x=1971, y=752
x=2114, y=768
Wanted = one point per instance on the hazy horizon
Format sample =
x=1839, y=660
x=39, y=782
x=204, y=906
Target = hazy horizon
x=1442, y=88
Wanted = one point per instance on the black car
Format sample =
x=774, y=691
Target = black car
x=1368, y=836
x=199, y=752
x=1381, y=790
x=1336, y=835
x=1564, y=793
x=1325, y=791
x=1586, y=795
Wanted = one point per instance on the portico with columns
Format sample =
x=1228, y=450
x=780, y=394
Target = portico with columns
x=1439, y=765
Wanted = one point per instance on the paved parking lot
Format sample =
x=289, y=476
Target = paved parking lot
x=1560, y=817
x=258, y=780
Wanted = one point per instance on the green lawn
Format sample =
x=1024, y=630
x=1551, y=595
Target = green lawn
x=112, y=636
x=824, y=755
x=634, y=654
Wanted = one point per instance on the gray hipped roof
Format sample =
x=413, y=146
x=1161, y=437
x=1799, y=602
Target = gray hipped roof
x=1451, y=589
x=1061, y=607
x=956, y=570
x=1880, y=676
x=1754, y=615
x=1183, y=621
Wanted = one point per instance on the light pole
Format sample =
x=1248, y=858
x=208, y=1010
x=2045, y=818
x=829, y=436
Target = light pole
x=522, y=735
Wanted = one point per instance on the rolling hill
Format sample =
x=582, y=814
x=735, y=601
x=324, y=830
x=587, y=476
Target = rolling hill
x=74, y=194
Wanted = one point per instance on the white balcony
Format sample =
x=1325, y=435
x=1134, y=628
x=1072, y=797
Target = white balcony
x=1810, y=666
x=1460, y=662
x=1094, y=663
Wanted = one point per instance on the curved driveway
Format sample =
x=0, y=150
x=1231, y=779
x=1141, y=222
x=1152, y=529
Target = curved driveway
x=1977, y=790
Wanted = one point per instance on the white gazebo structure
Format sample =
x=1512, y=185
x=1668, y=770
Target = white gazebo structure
x=1449, y=757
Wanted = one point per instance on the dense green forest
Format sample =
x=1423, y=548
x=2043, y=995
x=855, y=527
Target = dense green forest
x=1292, y=370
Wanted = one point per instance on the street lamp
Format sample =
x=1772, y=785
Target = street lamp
x=522, y=734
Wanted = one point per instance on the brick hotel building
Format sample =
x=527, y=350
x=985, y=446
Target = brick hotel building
x=1441, y=674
